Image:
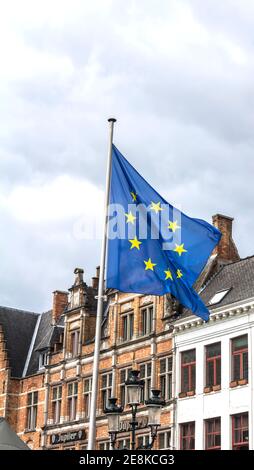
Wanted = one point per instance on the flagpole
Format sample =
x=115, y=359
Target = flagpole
x=92, y=420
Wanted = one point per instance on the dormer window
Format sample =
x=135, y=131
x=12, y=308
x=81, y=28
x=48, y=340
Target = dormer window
x=43, y=359
x=216, y=298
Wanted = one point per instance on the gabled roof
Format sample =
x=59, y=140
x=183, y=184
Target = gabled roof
x=238, y=277
x=18, y=327
x=47, y=335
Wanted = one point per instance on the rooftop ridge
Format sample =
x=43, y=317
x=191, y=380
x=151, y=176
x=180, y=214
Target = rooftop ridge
x=19, y=310
x=238, y=261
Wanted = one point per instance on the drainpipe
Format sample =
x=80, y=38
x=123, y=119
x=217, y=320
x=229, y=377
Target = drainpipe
x=114, y=355
x=65, y=336
x=174, y=411
x=46, y=405
x=6, y=397
x=82, y=315
x=153, y=348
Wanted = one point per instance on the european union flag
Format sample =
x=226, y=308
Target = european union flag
x=153, y=248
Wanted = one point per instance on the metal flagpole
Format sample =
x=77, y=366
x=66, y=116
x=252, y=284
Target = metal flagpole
x=92, y=421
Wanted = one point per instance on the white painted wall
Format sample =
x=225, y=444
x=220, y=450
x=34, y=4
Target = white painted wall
x=222, y=327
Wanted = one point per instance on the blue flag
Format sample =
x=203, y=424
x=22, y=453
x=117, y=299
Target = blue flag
x=153, y=248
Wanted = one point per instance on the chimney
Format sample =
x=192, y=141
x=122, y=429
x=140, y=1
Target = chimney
x=226, y=249
x=60, y=301
x=95, y=279
x=79, y=272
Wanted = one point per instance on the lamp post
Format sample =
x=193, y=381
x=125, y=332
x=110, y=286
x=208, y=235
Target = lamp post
x=113, y=412
x=154, y=405
x=134, y=387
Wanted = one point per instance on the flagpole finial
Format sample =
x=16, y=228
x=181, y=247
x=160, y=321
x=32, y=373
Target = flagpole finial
x=111, y=119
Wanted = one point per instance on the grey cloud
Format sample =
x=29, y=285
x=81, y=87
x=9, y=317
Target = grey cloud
x=184, y=121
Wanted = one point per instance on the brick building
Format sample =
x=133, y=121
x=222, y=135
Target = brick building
x=46, y=359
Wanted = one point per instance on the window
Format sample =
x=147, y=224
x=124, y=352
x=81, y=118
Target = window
x=32, y=405
x=43, y=359
x=75, y=343
x=124, y=373
x=212, y=434
x=187, y=436
x=188, y=364
x=124, y=443
x=145, y=374
x=218, y=297
x=240, y=358
x=72, y=398
x=146, y=320
x=213, y=364
x=166, y=377
x=87, y=396
x=106, y=389
x=127, y=326
x=104, y=445
x=164, y=440
x=56, y=403
x=143, y=440
x=240, y=432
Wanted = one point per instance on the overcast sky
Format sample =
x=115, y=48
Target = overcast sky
x=178, y=76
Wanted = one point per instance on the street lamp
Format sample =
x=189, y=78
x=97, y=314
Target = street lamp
x=134, y=387
x=154, y=405
x=113, y=412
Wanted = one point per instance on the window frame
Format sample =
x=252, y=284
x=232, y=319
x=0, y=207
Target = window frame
x=72, y=400
x=106, y=391
x=242, y=428
x=43, y=359
x=214, y=361
x=188, y=435
x=87, y=396
x=218, y=296
x=166, y=377
x=104, y=445
x=189, y=366
x=32, y=410
x=122, y=386
x=74, y=342
x=146, y=320
x=128, y=331
x=56, y=403
x=212, y=434
x=125, y=443
x=142, y=440
x=167, y=436
x=239, y=353
x=147, y=377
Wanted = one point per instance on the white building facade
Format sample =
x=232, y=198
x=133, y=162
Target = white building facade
x=214, y=368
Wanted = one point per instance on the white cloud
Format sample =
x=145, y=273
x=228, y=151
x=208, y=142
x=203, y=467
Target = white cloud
x=179, y=79
x=60, y=199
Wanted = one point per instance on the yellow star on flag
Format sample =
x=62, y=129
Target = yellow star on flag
x=149, y=264
x=134, y=196
x=135, y=243
x=179, y=273
x=173, y=225
x=156, y=207
x=180, y=249
x=168, y=275
x=130, y=218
